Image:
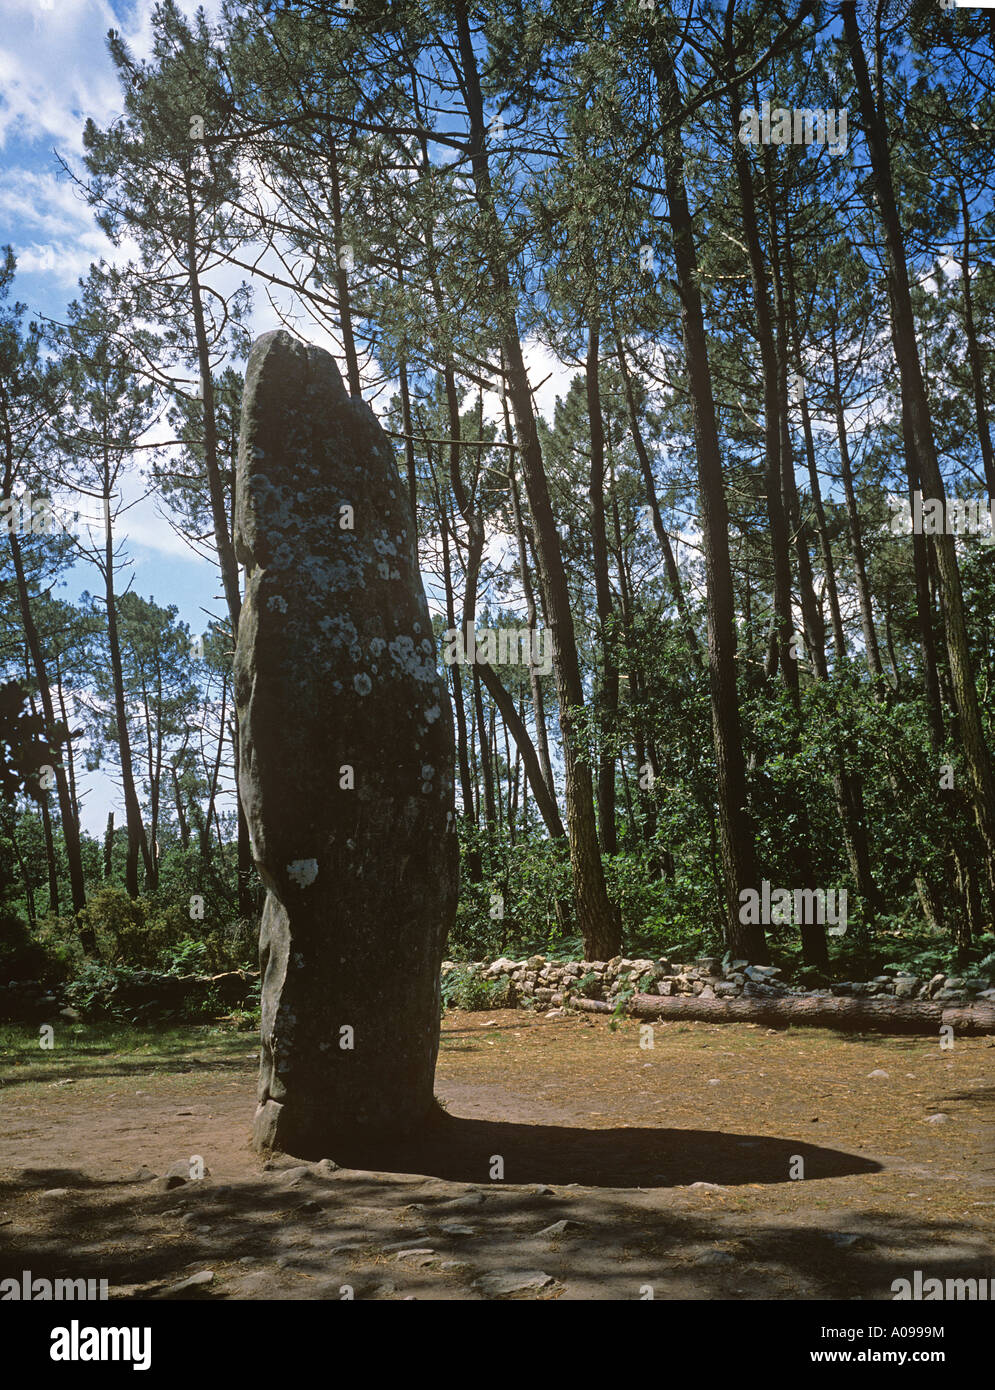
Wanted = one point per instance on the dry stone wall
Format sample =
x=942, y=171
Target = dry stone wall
x=547, y=985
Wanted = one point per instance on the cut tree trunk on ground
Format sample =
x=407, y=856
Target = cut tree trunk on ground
x=819, y=1011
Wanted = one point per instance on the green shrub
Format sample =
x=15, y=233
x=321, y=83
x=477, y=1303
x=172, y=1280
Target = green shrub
x=188, y=956
x=22, y=957
x=152, y=933
x=245, y=1020
x=589, y=986
x=118, y=924
x=201, y=1008
x=125, y=995
x=942, y=957
x=96, y=992
x=467, y=989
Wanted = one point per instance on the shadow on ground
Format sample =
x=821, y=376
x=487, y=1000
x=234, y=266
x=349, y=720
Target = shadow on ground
x=295, y=1232
x=464, y=1150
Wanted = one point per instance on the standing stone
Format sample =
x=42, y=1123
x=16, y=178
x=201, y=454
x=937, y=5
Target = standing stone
x=345, y=763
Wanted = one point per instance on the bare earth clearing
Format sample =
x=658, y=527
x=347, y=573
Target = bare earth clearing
x=593, y=1130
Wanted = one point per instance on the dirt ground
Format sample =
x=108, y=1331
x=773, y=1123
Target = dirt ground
x=728, y=1161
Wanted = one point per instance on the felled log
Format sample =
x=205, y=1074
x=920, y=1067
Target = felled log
x=819, y=1011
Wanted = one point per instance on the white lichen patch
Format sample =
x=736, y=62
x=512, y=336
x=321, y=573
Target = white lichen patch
x=303, y=872
x=362, y=683
x=413, y=659
x=339, y=629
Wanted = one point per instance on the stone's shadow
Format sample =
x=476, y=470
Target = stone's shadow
x=980, y=1095
x=124, y=1068
x=280, y=1235
x=47, y=1178
x=463, y=1150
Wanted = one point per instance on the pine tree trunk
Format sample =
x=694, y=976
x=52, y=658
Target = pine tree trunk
x=181, y=816
x=735, y=826
x=215, y=485
x=212, y=791
x=342, y=273
x=46, y=820
x=965, y=692
x=669, y=559
x=535, y=682
x=459, y=709
x=548, y=808
x=222, y=523
x=825, y=546
x=847, y=788
x=70, y=755
x=29, y=892
x=774, y=486
x=815, y=628
x=871, y=650
x=598, y=919
x=608, y=694
x=67, y=813
x=782, y=509
x=974, y=353
x=109, y=846
x=484, y=748
x=50, y=860
x=152, y=868
x=924, y=598
x=409, y=443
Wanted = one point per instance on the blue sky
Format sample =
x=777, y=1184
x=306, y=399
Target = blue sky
x=55, y=72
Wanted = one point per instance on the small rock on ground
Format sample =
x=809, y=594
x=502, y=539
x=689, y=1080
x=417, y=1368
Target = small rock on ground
x=494, y=1285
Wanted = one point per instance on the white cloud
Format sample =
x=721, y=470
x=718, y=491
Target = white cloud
x=46, y=202
x=51, y=228
x=55, y=69
x=64, y=263
x=549, y=377
x=147, y=528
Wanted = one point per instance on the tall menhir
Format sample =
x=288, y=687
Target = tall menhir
x=345, y=766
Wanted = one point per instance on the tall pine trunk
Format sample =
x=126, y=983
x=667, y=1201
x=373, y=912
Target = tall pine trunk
x=598, y=919
x=138, y=846
x=608, y=693
x=872, y=651
x=67, y=812
x=915, y=402
x=735, y=827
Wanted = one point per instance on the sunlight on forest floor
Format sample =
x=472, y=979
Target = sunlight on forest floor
x=725, y=1161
